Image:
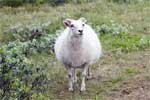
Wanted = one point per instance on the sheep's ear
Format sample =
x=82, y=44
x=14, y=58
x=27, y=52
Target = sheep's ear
x=67, y=22
x=83, y=19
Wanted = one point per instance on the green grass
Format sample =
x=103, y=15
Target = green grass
x=132, y=71
x=124, y=43
x=98, y=12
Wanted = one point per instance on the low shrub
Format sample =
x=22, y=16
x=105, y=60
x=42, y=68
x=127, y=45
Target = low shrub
x=19, y=79
x=38, y=37
x=12, y=3
x=113, y=28
x=16, y=3
x=127, y=1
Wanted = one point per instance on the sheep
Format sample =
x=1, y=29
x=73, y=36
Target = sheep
x=78, y=46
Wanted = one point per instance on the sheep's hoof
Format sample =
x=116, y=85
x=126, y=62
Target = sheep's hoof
x=89, y=77
x=82, y=89
x=71, y=89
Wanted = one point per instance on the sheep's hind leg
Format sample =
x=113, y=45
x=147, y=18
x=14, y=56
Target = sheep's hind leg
x=70, y=79
x=89, y=74
x=83, y=76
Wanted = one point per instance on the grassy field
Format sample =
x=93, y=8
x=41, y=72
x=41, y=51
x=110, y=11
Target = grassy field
x=122, y=73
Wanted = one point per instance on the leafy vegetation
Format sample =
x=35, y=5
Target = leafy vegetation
x=113, y=28
x=16, y=3
x=19, y=79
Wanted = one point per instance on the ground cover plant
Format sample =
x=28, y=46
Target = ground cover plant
x=19, y=79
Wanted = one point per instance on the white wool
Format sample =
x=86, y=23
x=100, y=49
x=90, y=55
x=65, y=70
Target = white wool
x=76, y=51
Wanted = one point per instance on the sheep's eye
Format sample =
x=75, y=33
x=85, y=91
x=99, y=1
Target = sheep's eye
x=72, y=25
x=82, y=24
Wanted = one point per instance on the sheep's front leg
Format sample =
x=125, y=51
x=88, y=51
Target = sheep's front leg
x=75, y=75
x=83, y=76
x=70, y=79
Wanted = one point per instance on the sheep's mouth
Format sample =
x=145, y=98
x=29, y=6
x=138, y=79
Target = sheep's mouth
x=78, y=35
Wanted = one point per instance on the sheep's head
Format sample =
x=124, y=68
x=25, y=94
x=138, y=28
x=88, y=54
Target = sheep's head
x=76, y=26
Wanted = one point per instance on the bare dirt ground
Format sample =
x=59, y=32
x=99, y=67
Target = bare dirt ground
x=137, y=87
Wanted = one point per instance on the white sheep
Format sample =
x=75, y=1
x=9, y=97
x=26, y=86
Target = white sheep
x=77, y=47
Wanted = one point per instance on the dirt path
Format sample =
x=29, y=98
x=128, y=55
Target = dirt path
x=137, y=87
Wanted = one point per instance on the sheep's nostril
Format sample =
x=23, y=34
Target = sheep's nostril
x=80, y=31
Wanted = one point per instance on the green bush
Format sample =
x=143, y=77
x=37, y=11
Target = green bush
x=56, y=2
x=80, y=1
x=113, y=28
x=16, y=3
x=19, y=79
x=127, y=1
x=12, y=3
x=120, y=1
x=36, y=36
x=35, y=2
